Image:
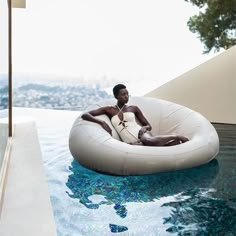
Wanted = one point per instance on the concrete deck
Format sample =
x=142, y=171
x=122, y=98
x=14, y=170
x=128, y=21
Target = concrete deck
x=26, y=208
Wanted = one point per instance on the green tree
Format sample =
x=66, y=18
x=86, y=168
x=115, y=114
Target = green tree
x=215, y=24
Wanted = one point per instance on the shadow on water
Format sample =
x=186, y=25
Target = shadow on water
x=195, y=210
x=121, y=189
x=200, y=214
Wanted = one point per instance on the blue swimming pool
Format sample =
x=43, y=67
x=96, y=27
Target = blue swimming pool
x=198, y=201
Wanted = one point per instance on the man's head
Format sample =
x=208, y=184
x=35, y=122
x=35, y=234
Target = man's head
x=117, y=89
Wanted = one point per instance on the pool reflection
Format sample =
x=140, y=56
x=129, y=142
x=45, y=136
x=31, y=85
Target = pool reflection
x=121, y=189
x=183, y=185
x=193, y=208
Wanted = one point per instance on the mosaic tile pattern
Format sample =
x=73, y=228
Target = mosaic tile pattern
x=199, y=201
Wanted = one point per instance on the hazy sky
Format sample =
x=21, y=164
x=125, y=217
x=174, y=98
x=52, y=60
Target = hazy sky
x=123, y=39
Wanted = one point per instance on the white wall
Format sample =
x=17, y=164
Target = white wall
x=209, y=88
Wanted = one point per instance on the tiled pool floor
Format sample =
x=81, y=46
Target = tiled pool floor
x=197, y=201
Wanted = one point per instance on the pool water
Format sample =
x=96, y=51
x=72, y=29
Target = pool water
x=197, y=201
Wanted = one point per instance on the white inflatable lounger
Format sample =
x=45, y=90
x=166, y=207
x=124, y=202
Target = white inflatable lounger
x=96, y=149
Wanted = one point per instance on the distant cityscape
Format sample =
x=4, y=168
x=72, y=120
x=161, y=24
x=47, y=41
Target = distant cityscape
x=52, y=95
x=64, y=93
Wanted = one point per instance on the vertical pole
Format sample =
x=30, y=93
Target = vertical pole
x=10, y=68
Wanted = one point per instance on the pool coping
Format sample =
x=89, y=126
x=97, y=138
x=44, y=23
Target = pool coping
x=26, y=206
